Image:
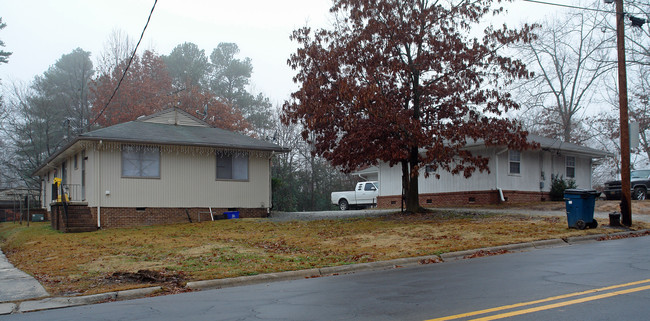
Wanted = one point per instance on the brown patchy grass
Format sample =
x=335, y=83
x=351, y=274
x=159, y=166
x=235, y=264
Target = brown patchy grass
x=89, y=262
x=638, y=207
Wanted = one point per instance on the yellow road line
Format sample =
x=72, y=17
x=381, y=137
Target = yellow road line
x=562, y=304
x=522, y=304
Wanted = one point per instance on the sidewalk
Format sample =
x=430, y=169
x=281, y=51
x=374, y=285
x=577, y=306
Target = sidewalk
x=16, y=284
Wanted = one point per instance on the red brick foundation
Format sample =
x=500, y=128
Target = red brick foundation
x=466, y=198
x=112, y=217
x=77, y=218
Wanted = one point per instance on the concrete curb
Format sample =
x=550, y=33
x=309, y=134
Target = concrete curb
x=509, y=247
x=584, y=238
x=61, y=302
x=7, y=308
x=549, y=243
x=254, y=279
x=136, y=293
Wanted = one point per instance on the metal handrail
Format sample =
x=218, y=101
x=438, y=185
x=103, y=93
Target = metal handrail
x=73, y=191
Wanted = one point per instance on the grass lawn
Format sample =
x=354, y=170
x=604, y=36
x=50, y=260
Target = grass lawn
x=105, y=260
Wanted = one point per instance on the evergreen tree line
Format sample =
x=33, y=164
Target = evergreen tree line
x=73, y=96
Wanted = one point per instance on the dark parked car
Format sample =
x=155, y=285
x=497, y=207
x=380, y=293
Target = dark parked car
x=640, y=184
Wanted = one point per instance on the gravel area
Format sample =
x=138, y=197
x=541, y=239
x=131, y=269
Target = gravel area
x=329, y=215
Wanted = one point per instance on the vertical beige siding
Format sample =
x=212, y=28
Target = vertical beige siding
x=186, y=180
x=173, y=117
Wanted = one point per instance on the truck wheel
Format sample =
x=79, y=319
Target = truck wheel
x=343, y=205
x=639, y=193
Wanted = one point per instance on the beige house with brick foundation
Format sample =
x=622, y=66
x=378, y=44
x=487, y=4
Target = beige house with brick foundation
x=515, y=176
x=168, y=167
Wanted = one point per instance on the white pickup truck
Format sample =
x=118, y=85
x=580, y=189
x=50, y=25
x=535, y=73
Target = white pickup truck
x=364, y=195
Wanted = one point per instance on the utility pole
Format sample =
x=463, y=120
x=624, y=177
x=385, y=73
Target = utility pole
x=626, y=197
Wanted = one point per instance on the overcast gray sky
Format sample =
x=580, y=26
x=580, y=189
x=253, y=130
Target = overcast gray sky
x=38, y=32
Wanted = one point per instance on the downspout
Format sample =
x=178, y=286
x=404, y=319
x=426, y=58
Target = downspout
x=99, y=180
x=591, y=173
x=268, y=209
x=496, y=160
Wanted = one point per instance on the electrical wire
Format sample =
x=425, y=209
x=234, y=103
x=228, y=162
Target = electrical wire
x=127, y=65
x=569, y=6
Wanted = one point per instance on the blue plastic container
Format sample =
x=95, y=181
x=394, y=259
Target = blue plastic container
x=580, y=208
x=231, y=215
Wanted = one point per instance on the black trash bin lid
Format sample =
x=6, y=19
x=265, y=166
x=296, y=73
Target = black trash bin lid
x=579, y=191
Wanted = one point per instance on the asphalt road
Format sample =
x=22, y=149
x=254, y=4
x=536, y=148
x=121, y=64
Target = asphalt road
x=607, y=280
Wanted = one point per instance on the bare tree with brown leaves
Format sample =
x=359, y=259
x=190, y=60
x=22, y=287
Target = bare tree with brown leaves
x=568, y=58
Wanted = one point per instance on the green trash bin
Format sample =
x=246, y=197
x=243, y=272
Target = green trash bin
x=580, y=205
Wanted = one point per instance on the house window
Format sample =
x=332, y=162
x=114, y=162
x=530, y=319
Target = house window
x=140, y=161
x=514, y=157
x=76, y=163
x=570, y=167
x=233, y=167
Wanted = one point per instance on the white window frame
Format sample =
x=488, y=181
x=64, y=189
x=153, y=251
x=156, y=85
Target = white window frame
x=235, y=167
x=570, y=163
x=140, y=161
x=514, y=157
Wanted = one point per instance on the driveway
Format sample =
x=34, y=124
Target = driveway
x=601, y=217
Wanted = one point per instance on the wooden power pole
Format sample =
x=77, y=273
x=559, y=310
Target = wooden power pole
x=626, y=197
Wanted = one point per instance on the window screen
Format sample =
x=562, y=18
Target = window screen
x=570, y=167
x=140, y=161
x=233, y=167
x=515, y=162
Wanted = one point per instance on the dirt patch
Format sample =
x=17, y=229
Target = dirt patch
x=483, y=253
x=147, y=276
x=172, y=282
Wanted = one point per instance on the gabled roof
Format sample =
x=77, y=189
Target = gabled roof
x=557, y=144
x=163, y=128
x=155, y=133
x=545, y=143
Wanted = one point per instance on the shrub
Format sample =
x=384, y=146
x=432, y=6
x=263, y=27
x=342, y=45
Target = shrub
x=558, y=185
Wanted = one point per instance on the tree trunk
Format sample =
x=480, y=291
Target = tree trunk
x=405, y=182
x=413, y=193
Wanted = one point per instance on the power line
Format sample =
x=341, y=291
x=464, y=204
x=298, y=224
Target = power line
x=127, y=65
x=569, y=6
x=636, y=22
